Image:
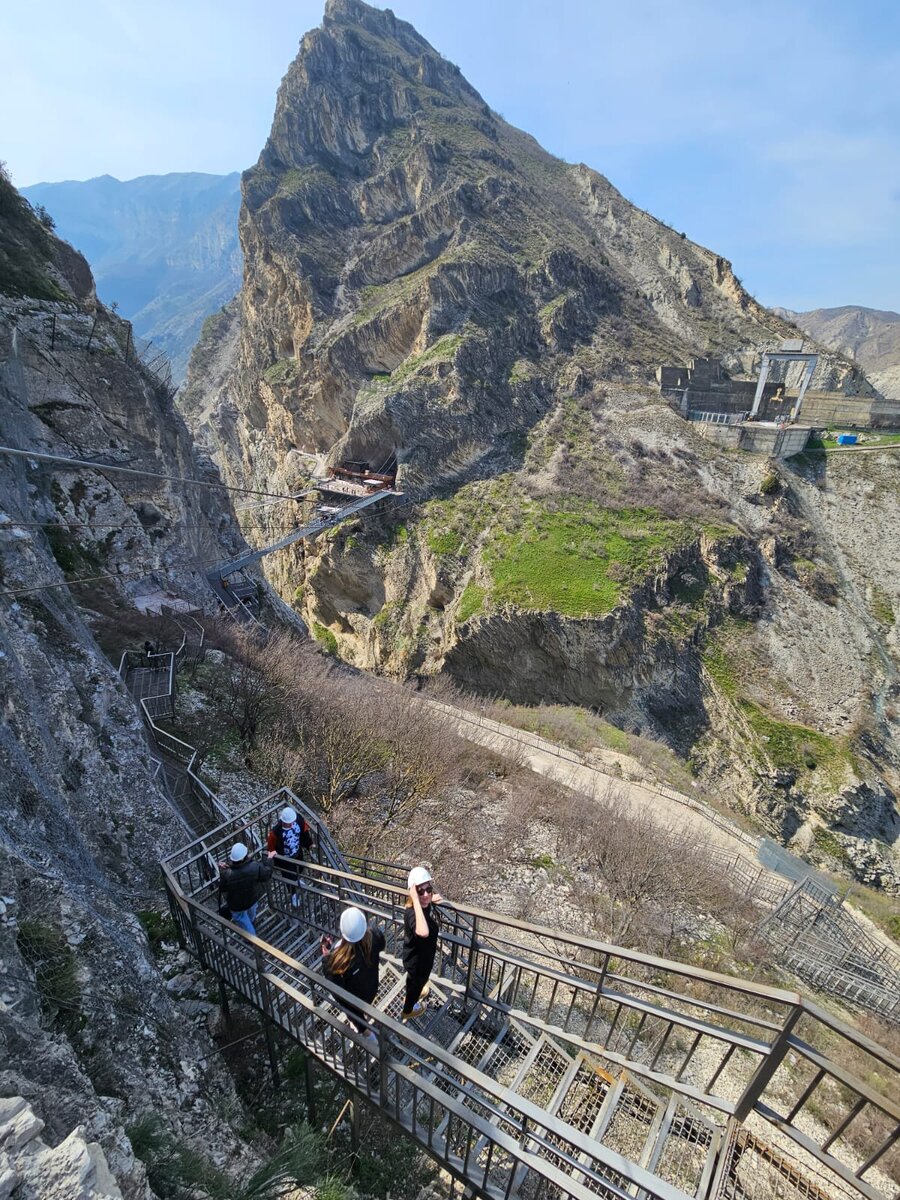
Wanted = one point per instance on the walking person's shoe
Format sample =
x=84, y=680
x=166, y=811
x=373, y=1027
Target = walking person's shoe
x=417, y=1010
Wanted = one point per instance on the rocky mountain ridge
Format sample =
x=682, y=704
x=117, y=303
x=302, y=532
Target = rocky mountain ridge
x=163, y=247
x=424, y=284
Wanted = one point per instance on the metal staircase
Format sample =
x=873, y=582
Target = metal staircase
x=548, y=1065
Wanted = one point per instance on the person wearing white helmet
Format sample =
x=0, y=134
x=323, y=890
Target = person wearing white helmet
x=421, y=926
x=241, y=885
x=289, y=839
x=354, y=963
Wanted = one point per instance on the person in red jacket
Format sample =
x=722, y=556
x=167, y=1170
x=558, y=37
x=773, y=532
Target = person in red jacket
x=288, y=839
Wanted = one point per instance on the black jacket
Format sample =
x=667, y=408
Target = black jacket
x=243, y=884
x=419, y=952
x=361, y=977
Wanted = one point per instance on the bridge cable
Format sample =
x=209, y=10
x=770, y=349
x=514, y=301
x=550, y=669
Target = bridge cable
x=100, y=466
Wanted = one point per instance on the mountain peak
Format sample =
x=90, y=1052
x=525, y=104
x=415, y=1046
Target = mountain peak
x=360, y=75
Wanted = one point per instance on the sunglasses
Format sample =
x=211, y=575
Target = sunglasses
x=425, y=890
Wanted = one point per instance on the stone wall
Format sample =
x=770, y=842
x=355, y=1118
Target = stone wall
x=833, y=408
x=757, y=438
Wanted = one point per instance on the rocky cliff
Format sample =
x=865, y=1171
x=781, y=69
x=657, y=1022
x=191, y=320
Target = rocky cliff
x=425, y=285
x=90, y=1036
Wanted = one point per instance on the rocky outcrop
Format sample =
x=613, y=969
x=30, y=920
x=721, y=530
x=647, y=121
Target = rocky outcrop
x=870, y=336
x=419, y=275
x=164, y=248
x=76, y=1169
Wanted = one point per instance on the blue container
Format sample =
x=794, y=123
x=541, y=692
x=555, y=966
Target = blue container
x=846, y=439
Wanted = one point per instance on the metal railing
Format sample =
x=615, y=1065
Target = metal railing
x=478, y=1130
x=565, y=754
x=154, y=691
x=736, y=1047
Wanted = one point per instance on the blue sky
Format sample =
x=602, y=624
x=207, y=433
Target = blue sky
x=767, y=131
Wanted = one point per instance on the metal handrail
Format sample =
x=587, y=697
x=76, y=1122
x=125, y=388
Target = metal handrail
x=163, y=702
x=578, y=989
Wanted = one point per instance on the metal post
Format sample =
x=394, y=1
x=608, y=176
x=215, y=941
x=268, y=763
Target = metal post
x=198, y=944
x=760, y=387
x=310, y=1092
x=473, y=950
x=723, y=1160
x=382, y=1067
x=267, y=1016
x=223, y=1001
x=767, y=1068
x=176, y=917
x=807, y=379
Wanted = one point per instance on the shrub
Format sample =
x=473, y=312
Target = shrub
x=63, y=547
x=159, y=927
x=52, y=959
x=325, y=638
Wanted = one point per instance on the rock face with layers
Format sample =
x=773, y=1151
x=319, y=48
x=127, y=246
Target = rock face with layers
x=424, y=284
x=76, y=1169
x=423, y=280
x=89, y=1036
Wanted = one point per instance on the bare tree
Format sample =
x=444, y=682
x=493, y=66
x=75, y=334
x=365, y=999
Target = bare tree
x=253, y=686
x=655, y=877
x=419, y=747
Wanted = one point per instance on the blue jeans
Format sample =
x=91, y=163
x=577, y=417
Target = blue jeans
x=245, y=919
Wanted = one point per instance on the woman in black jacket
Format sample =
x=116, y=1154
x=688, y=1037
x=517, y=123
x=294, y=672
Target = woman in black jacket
x=421, y=926
x=353, y=964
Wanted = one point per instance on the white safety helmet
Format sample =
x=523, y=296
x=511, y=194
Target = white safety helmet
x=418, y=876
x=238, y=852
x=353, y=925
x=288, y=815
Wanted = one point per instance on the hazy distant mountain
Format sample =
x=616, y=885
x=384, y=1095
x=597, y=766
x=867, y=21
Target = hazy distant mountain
x=871, y=336
x=164, y=246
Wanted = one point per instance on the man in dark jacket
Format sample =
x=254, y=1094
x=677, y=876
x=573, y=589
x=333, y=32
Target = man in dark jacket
x=242, y=884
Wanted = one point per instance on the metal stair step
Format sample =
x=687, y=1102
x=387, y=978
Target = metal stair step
x=631, y=1120
x=684, y=1148
x=587, y=1091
